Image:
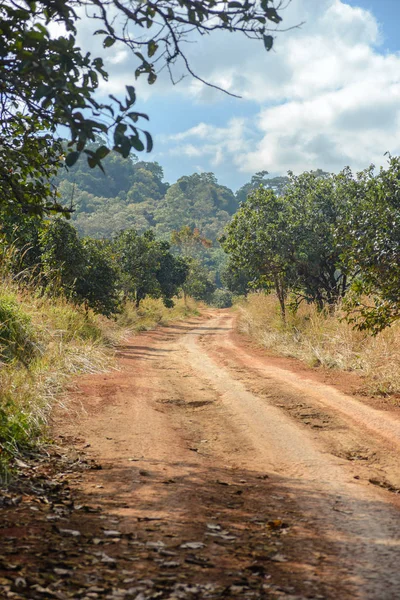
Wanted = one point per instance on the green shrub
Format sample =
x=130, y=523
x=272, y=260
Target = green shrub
x=221, y=298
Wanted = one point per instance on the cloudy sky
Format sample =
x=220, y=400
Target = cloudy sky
x=327, y=96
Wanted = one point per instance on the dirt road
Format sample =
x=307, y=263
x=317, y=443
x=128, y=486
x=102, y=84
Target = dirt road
x=227, y=474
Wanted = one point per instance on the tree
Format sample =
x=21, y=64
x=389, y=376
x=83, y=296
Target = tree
x=235, y=279
x=171, y=274
x=62, y=258
x=98, y=285
x=314, y=204
x=198, y=284
x=137, y=257
x=369, y=235
x=148, y=268
x=83, y=270
x=256, y=241
x=48, y=81
x=291, y=240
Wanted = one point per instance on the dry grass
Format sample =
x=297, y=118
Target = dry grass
x=325, y=340
x=152, y=313
x=44, y=342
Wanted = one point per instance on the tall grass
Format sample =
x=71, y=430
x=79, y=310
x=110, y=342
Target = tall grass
x=325, y=339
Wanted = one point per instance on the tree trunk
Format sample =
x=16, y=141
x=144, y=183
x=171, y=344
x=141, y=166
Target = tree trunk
x=280, y=292
x=344, y=285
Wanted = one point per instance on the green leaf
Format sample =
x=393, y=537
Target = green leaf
x=272, y=15
x=137, y=143
x=268, y=42
x=102, y=152
x=132, y=94
x=108, y=42
x=71, y=158
x=152, y=48
x=149, y=141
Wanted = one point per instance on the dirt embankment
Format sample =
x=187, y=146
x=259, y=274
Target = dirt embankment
x=224, y=475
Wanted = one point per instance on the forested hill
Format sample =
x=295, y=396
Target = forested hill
x=133, y=193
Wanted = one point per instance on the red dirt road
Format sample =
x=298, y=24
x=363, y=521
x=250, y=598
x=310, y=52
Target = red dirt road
x=226, y=475
x=204, y=434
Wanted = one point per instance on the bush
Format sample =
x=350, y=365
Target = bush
x=221, y=298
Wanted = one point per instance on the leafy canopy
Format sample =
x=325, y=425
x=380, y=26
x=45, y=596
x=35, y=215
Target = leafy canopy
x=82, y=270
x=288, y=242
x=369, y=234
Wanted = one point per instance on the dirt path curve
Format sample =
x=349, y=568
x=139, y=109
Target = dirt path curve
x=225, y=476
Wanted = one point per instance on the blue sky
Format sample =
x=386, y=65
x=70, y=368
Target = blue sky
x=327, y=96
x=387, y=13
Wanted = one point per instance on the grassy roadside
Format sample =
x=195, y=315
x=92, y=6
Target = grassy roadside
x=320, y=339
x=44, y=342
x=153, y=312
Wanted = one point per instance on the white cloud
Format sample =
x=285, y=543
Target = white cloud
x=216, y=143
x=119, y=57
x=327, y=97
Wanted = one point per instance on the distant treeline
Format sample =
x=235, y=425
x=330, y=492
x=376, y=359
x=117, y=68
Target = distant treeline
x=132, y=193
x=102, y=275
x=318, y=238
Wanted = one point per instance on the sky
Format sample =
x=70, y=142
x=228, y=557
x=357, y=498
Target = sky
x=327, y=96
